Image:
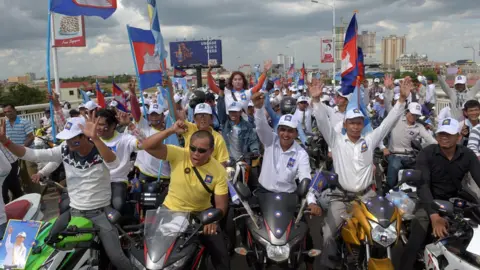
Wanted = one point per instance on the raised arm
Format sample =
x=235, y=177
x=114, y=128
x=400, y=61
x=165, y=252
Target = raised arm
x=266, y=67
x=136, y=113
x=264, y=131
x=427, y=136
x=211, y=82
x=443, y=84
x=474, y=90
x=387, y=124
x=154, y=144
x=320, y=112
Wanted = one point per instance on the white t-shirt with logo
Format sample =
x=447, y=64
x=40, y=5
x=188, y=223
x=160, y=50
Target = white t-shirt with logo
x=123, y=145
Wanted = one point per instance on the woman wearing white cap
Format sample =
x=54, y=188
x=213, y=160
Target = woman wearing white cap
x=459, y=94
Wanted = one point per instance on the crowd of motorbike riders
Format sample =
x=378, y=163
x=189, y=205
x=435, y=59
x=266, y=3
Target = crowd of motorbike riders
x=269, y=129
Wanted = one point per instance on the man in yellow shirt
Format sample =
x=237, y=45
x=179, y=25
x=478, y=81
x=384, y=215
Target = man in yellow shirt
x=195, y=177
x=203, y=121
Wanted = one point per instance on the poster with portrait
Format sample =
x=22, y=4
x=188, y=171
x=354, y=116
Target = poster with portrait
x=326, y=50
x=17, y=243
x=68, y=31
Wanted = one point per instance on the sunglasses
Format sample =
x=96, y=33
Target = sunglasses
x=198, y=149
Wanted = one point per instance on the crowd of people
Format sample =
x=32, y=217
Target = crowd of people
x=270, y=120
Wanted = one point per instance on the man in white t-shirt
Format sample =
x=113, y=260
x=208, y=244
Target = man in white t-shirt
x=123, y=145
x=87, y=162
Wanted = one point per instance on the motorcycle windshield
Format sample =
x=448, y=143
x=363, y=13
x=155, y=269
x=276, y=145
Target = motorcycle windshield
x=382, y=209
x=162, y=228
x=278, y=210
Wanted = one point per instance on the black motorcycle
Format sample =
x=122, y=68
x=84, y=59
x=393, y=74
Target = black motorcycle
x=274, y=235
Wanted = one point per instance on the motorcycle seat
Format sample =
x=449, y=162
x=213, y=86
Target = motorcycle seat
x=17, y=209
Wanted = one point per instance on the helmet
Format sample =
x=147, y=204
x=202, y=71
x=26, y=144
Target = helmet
x=196, y=98
x=288, y=105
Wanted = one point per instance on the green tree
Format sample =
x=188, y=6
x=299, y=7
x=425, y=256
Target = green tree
x=430, y=73
x=21, y=94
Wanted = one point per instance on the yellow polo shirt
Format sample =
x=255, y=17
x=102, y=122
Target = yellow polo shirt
x=220, y=152
x=185, y=192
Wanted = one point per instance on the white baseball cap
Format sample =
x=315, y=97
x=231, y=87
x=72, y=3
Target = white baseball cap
x=91, y=105
x=415, y=108
x=250, y=103
x=300, y=87
x=354, y=113
x=22, y=234
x=396, y=96
x=448, y=125
x=81, y=106
x=302, y=99
x=339, y=92
x=396, y=82
x=380, y=96
x=155, y=108
x=177, y=98
x=235, y=107
x=377, y=80
x=203, y=108
x=287, y=120
x=460, y=79
x=325, y=98
x=72, y=128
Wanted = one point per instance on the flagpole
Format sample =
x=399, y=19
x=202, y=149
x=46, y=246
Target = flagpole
x=49, y=83
x=138, y=75
x=55, y=64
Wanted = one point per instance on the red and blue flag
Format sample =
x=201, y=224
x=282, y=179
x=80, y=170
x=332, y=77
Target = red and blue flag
x=100, y=8
x=350, y=58
x=100, y=97
x=148, y=63
x=360, y=65
x=179, y=73
x=301, y=80
x=119, y=97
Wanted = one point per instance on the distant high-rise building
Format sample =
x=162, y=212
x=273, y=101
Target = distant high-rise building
x=392, y=48
x=366, y=40
x=31, y=75
x=281, y=59
x=339, y=40
x=289, y=60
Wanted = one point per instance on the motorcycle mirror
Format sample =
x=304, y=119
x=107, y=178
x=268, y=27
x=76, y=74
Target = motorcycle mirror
x=113, y=216
x=302, y=188
x=412, y=177
x=443, y=206
x=416, y=145
x=210, y=215
x=332, y=179
x=242, y=190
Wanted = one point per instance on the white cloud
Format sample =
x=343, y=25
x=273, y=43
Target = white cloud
x=387, y=25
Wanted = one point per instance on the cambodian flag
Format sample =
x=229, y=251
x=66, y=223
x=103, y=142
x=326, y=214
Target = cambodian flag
x=350, y=58
x=100, y=97
x=119, y=97
x=301, y=80
x=291, y=71
x=179, y=73
x=100, y=8
x=360, y=65
x=148, y=64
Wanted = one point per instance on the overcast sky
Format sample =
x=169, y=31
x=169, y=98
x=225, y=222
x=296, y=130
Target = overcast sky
x=251, y=30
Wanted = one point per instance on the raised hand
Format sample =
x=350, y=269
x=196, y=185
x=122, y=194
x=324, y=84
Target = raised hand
x=388, y=81
x=258, y=100
x=123, y=118
x=316, y=88
x=179, y=127
x=90, y=128
x=267, y=65
x=405, y=88
x=132, y=84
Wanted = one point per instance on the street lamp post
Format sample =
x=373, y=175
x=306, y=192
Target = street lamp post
x=473, y=49
x=333, y=38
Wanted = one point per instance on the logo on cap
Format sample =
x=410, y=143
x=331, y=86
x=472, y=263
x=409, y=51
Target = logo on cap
x=155, y=106
x=356, y=110
x=202, y=106
x=288, y=118
x=418, y=107
x=68, y=125
x=446, y=122
x=459, y=77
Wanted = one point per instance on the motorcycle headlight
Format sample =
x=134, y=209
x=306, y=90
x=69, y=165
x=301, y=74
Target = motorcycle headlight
x=177, y=265
x=382, y=236
x=278, y=253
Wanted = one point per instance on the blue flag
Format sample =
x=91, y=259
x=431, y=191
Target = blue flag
x=85, y=97
x=155, y=27
x=100, y=8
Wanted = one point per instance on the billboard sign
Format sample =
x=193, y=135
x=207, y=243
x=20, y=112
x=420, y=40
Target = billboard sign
x=326, y=50
x=187, y=54
x=68, y=31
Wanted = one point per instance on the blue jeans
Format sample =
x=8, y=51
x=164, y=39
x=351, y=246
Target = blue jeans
x=394, y=165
